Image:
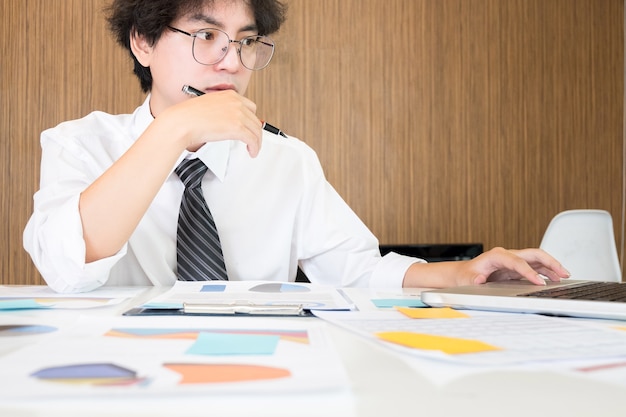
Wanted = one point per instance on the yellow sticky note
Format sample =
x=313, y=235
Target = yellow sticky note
x=620, y=328
x=449, y=345
x=432, y=313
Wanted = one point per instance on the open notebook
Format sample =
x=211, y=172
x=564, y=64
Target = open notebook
x=568, y=298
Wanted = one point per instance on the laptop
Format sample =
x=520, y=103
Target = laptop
x=574, y=298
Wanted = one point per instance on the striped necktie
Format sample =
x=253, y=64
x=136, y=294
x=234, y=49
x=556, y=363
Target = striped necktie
x=198, y=249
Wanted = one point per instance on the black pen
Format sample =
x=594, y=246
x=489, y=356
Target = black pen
x=187, y=89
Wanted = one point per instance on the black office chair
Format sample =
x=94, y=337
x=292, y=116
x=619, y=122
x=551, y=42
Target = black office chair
x=436, y=252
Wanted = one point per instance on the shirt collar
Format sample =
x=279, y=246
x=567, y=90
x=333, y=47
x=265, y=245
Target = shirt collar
x=215, y=156
x=142, y=118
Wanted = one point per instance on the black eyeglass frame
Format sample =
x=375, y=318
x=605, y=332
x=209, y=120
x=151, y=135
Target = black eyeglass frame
x=255, y=38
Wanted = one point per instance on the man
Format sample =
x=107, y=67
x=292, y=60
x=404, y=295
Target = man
x=108, y=207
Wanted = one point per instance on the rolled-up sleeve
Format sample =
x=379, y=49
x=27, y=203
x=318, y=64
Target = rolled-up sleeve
x=53, y=235
x=54, y=240
x=390, y=270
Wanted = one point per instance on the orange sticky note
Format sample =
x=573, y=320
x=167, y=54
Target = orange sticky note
x=432, y=313
x=449, y=345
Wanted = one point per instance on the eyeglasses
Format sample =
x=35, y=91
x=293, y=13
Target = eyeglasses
x=210, y=46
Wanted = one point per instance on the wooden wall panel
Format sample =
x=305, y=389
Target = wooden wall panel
x=457, y=120
x=58, y=63
x=437, y=120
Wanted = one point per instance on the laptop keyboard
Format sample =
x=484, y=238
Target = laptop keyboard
x=592, y=291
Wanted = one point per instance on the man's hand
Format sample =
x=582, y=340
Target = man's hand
x=497, y=264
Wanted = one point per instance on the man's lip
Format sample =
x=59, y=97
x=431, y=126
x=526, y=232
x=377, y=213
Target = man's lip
x=220, y=87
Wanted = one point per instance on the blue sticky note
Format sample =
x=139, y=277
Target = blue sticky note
x=213, y=288
x=164, y=306
x=224, y=343
x=20, y=304
x=398, y=302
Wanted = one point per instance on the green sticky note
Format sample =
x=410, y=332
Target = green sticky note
x=20, y=304
x=398, y=302
x=225, y=343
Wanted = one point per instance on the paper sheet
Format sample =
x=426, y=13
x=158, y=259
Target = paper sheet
x=519, y=338
x=170, y=355
x=35, y=297
x=313, y=297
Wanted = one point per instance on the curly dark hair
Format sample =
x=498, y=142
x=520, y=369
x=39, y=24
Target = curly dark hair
x=150, y=18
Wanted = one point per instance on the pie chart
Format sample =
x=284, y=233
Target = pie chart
x=279, y=287
x=9, y=330
x=194, y=373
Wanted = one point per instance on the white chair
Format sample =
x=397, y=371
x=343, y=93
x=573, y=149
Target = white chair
x=584, y=242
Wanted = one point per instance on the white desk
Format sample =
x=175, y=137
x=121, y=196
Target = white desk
x=382, y=384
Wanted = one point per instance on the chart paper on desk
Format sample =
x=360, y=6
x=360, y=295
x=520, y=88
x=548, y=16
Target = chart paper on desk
x=36, y=297
x=311, y=297
x=487, y=338
x=166, y=355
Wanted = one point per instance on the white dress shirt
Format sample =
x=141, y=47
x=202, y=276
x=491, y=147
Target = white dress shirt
x=273, y=213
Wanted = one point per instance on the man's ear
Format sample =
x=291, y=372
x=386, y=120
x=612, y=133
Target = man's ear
x=142, y=49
